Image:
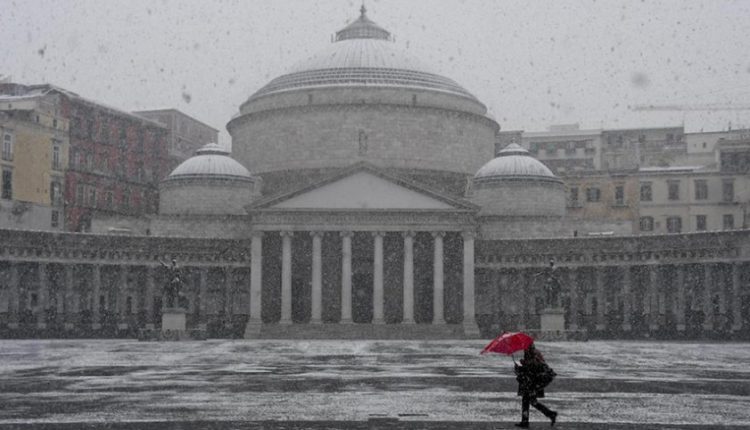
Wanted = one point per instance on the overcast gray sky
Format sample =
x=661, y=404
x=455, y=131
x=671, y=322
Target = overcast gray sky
x=533, y=63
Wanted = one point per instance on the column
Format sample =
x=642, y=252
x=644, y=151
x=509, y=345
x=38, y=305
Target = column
x=601, y=299
x=438, y=288
x=41, y=319
x=573, y=281
x=202, y=297
x=524, y=285
x=346, y=277
x=317, y=278
x=708, y=288
x=286, y=277
x=15, y=296
x=69, y=301
x=148, y=301
x=653, y=309
x=96, y=274
x=626, y=299
x=122, y=293
x=256, y=276
x=469, y=323
x=736, y=298
x=60, y=295
x=408, y=277
x=377, y=267
x=228, y=287
x=680, y=311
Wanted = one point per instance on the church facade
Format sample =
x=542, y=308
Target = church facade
x=363, y=198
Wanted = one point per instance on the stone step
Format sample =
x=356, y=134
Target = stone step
x=357, y=331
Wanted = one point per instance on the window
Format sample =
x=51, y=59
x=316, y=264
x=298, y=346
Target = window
x=674, y=224
x=7, y=146
x=728, y=221
x=646, y=223
x=55, y=221
x=55, y=155
x=123, y=136
x=79, y=194
x=620, y=195
x=701, y=189
x=125, y=199
x=108, y=200
x=700, y=222
x=362, y=140
x=593, y=194
x=55, y=193
x=7, y=192
x=646, y=194
x=727, y=191
x=574, y=196
x=673, y=190
x=92, y=197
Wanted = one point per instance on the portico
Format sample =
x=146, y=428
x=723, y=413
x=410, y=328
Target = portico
x=347, y=245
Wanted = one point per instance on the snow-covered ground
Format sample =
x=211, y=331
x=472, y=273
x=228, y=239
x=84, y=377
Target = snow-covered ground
x=116, y=380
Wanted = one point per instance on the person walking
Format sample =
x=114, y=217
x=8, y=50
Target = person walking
x=533, y=375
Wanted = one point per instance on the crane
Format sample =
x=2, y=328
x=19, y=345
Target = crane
x=687, y=107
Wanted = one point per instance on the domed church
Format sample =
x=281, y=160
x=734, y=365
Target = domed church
x=365, y=180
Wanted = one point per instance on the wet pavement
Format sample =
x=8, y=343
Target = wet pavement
x=217, y=384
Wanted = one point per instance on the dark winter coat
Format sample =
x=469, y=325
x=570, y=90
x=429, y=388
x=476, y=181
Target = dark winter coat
x=528, y=375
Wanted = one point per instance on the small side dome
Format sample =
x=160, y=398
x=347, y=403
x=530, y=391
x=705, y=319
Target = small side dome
x=517, y=185
x=209, y=183
x=210, y=161
x=514, y=163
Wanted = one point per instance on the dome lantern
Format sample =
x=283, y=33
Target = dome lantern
x=362, y=28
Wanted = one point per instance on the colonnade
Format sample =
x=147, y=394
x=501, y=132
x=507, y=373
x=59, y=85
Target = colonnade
x=70, y=299
x=608, y=298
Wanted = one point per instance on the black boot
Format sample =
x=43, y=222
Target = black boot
x=552, y=418
x=523, y=424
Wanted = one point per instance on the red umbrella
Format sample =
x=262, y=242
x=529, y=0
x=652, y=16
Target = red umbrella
x=508, y=343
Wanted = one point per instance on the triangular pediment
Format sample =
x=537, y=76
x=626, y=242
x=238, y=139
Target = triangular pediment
x=362, y=190
x=364, y=187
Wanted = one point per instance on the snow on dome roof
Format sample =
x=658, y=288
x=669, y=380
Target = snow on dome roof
x=362, y=55
x=210, y=161
x=515, y=163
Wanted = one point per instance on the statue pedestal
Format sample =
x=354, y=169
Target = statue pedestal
x=552, y=320
x=173, y=319
x=173, y=327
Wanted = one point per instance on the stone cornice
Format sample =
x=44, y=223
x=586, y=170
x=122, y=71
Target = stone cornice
x=723, y=247
x=363, y=220
x=482, y=119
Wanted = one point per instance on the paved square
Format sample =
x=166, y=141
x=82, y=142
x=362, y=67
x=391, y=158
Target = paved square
x=440, y=382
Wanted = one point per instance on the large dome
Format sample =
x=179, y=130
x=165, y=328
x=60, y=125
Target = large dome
x=362, y=99
x=362, y=55
x=211, y=161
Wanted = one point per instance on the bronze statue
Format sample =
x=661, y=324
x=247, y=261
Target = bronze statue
x=552, y=286
x=172, y=289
